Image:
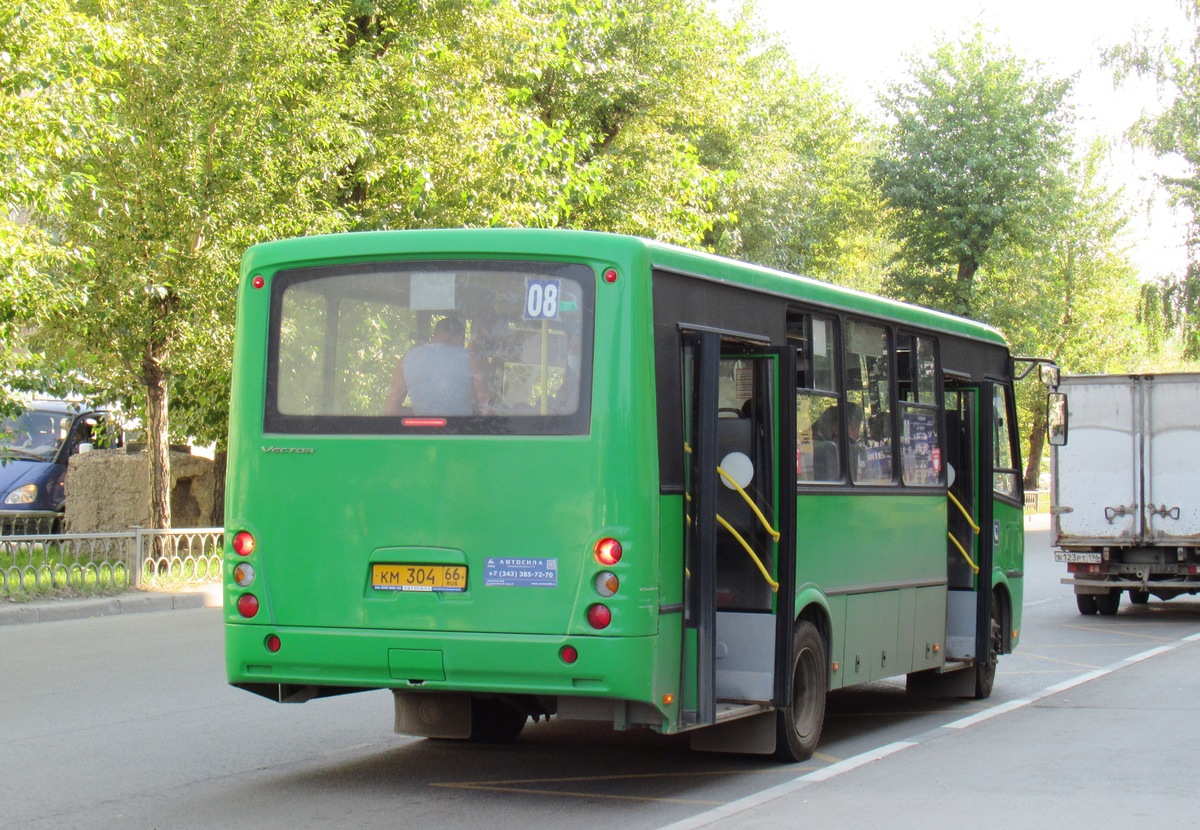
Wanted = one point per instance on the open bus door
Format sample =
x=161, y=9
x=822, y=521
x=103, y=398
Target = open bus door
x=735, y=582
x=970, y=615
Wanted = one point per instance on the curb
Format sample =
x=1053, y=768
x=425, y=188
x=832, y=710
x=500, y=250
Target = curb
x=132, y=602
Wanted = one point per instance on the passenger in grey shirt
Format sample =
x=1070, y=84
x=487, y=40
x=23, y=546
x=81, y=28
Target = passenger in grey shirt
x=437, y=377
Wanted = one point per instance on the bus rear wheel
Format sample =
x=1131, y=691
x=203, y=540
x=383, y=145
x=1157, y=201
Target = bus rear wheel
x=798, y=726
x=494, y=721
x=985, y=672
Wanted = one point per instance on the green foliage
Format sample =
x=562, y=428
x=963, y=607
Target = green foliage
x=1172, y=301
x=972, y=163
x=56, y=64
x=219, y=148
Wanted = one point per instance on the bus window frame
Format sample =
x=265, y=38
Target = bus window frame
x=576, y=423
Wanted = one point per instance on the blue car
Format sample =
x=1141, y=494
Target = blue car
x=34, y=450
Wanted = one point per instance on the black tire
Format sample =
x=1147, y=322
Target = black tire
x=1139, y=597
x=1086, y=604
x=1107, y=604
x=985, y=672
x=798, y=726
x=495, y=722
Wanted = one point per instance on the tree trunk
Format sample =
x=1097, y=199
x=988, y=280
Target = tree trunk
x=221, y=462
x=158, y=447
x=1037, y=445
x=963, y=286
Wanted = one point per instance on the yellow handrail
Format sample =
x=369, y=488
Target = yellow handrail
x=761, y=569
x=963, y=551
x=745, y=545
x=963, y=510
x=774, y=533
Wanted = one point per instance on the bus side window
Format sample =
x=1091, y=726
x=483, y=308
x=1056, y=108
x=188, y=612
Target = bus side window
x=868, y=392
x=916, y=371
x=818, y=398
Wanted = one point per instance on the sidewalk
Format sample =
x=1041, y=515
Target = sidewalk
x=130, y=602
x=1111, y=749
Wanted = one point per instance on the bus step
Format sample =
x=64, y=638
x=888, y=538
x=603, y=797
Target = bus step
x=733, y=711
x=956, y=665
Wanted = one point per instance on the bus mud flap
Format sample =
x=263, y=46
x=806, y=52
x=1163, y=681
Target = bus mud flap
x=754, y=735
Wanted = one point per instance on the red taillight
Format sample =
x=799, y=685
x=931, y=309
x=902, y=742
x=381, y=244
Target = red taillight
x=568, y=654
x=610, y=276
x=608, y=551
x=247, y=605
x=599, y=616
x=273, y=643
x=258, y=281
x=424, y=422
x=243, y=544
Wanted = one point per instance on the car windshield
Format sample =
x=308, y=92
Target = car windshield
x=34, y=434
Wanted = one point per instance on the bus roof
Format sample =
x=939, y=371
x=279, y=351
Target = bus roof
x=566, y=245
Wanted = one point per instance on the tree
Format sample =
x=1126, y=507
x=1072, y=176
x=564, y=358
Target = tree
x=1070, y=294
x=976, y=145
x=217, y=140
x=1175, y=133
x=56, y=63
x=798, y=196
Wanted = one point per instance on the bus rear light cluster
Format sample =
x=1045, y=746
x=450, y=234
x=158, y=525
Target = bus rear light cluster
x=608, y=552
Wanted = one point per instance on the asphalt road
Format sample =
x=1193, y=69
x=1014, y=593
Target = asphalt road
x=126, y=721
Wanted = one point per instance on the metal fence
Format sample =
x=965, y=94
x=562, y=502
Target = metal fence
x=1037, y=501
x=72, y=564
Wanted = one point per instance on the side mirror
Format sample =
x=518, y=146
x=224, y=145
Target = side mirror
x=1048, y=373
x=1056, y=418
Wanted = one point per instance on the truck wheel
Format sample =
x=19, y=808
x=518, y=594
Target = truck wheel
x=798, y=726
x=1107, y=604
x=1139, y=597
x=1086, y=604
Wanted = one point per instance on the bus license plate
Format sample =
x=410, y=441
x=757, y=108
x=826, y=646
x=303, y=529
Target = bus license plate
x=452, y=578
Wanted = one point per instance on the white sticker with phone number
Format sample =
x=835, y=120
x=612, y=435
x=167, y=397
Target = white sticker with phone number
x=520, y=572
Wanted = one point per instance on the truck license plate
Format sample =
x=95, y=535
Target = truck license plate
x=1091, y=557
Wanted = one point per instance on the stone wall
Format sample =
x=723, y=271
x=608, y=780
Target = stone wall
x=109, y=491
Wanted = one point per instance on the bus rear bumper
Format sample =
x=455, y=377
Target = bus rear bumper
x=318, y=662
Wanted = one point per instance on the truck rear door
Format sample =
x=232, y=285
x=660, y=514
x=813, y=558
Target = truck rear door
x=1172, y=508
x=1096, y=494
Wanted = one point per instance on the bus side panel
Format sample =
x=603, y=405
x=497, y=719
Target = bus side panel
x=868, y=552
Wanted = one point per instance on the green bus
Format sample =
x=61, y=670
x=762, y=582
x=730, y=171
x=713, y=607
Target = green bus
x=514, y=474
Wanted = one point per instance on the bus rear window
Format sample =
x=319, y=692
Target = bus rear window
x=460, y=347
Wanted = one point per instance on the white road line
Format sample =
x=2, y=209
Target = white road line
x=753, y=800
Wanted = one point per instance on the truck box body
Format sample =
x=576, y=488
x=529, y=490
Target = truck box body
x=1125, y=497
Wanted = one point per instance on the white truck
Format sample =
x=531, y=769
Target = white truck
x=1125, y=491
